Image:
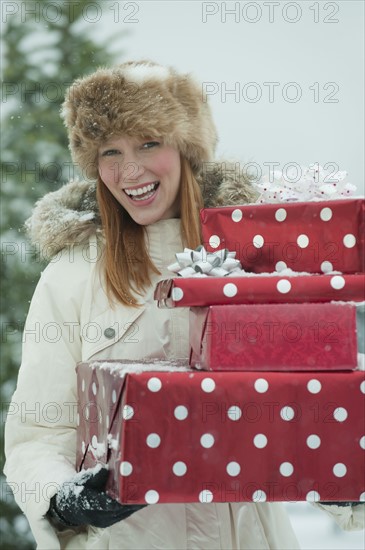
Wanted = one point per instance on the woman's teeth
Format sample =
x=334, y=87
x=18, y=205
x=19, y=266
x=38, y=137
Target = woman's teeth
x=142, y=193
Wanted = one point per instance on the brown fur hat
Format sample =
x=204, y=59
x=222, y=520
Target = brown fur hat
x=141, y=99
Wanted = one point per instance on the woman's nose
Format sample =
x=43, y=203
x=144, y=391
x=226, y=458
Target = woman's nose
x=132, y=170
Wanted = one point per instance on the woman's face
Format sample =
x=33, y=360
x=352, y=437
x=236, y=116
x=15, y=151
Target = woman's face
x=144, y=177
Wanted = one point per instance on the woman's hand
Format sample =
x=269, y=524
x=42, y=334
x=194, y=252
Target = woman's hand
x=83, y=502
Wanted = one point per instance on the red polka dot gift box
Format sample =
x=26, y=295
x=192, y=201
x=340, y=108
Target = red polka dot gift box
x=266, y=337
x=260, y=288
x=170, y=434
x=314, y=237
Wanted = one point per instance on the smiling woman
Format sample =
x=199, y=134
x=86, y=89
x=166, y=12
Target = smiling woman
x=144, y=177
x=144, y=136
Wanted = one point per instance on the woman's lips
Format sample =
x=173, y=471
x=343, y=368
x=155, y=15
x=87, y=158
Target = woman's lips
x=143, y=195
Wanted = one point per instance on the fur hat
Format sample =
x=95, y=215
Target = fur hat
x=141, y=99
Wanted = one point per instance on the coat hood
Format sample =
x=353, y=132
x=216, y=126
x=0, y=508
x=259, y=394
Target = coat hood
x=70, y=215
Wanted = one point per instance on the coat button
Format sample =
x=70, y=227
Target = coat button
x=109, y=332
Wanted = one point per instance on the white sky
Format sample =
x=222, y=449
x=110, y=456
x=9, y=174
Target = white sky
x=324, y=60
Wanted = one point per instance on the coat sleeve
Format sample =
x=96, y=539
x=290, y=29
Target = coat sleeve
x=40, y=431
x=349, y=518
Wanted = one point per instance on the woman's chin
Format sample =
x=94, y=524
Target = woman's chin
x=146, y=218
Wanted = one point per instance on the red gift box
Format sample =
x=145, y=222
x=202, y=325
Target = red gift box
x=226, y=437
x=259, y=289
x=315, y=237
x=274, y=337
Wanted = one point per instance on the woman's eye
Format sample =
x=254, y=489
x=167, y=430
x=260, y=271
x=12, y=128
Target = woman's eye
x=150, y=144
x=109, y=152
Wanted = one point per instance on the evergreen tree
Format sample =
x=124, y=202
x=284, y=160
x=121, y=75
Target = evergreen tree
x=42, y=56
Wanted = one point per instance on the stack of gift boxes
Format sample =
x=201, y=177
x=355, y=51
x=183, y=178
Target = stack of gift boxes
x=271, y=404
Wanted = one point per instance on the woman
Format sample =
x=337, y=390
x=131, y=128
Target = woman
x=145, y=135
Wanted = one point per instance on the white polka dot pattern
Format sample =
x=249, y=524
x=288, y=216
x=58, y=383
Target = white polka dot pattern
x=208, y=385
x=258, y=241
x=280, y=215
x=177, y=294
x=179, y=468
x=313, y=441
x=225, y=435
x=207, y=441
x=128, y=412
x=237, y=215
x=152, y=497
x=205, y=496
x=260, y=441
x=234, y=413
x=303, y=241
x=313, y=496
x=233, y=469
x=339, y=469
x=230, y=290
x=286, y=469
x=259, y=496
x=214, y=241
x=287, y=413
x=314, y=386
x=154, y=384
x=263, y=289
x=337, y=282
x=302, y=235
x=325, y=214
x=349, y=241
x=340, y=414
x=125, y=469
x=326, y=267
x=181, y=412
x=280, y=266
x=261, y=385
x=283, y=286
x=153, y=441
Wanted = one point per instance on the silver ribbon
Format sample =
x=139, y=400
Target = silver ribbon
x=200, y=263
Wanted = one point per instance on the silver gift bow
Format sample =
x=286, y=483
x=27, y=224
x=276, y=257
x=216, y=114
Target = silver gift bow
x=200, y=263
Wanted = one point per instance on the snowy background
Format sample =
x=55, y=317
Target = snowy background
x=286, y=86
x=325, y=62
x=297, y=70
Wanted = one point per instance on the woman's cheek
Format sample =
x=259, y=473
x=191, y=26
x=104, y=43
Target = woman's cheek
x=167, y=165
x=107, y=175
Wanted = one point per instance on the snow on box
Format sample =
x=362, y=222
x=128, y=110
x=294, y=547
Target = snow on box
x=175, y=435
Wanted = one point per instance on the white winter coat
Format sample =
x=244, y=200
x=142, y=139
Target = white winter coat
x=67, y=320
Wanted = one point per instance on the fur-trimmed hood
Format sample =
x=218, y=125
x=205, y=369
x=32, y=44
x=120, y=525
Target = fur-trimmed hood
x=70, y=215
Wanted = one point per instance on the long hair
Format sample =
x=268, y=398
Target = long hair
x=127, y=265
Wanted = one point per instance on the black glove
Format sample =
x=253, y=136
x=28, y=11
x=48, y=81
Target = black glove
x=341, y=503
x=83, y=502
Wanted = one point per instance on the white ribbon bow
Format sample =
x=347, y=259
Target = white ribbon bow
x=302, y=183
x=200, y=263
